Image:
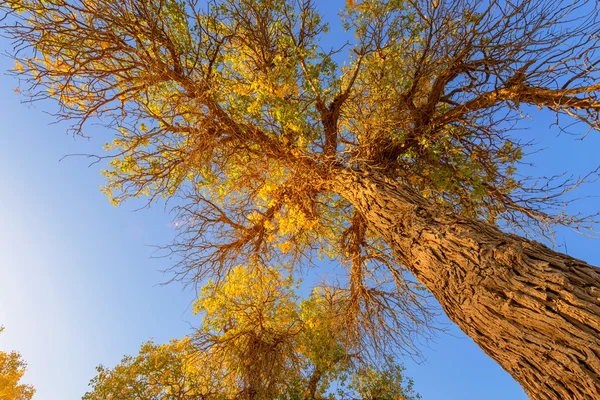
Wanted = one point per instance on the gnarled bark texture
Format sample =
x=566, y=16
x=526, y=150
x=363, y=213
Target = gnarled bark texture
x=533, y=310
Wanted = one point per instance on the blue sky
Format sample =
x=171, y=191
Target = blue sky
x=78, y=286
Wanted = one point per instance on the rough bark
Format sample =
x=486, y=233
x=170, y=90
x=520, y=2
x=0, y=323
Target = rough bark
x=533, y=310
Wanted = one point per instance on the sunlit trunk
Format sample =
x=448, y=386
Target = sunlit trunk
x=533, y=310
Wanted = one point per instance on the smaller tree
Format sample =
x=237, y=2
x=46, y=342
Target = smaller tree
x=259, y=340
x=167, y=372
x=385, y=383
x=12, y=368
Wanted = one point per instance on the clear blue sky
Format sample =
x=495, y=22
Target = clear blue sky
x=78, y=287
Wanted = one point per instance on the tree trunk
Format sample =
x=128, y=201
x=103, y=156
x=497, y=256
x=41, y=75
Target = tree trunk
x=533, y=310
x=311, y=390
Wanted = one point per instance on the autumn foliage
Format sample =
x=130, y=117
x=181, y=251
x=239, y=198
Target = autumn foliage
x=257, y=340
x=12, y=369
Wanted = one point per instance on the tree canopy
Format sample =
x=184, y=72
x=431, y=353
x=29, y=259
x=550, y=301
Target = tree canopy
x=222, y=106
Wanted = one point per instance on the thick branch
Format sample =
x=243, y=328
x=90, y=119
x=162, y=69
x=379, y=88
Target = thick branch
x=557, y=100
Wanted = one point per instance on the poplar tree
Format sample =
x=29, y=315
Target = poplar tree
x=399, y=160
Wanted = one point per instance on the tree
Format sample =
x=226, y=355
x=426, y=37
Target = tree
x=12, y=368
x=169, y=371
x=257, y=341
x=402, y=159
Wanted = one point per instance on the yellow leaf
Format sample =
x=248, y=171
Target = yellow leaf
x=18, y=66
